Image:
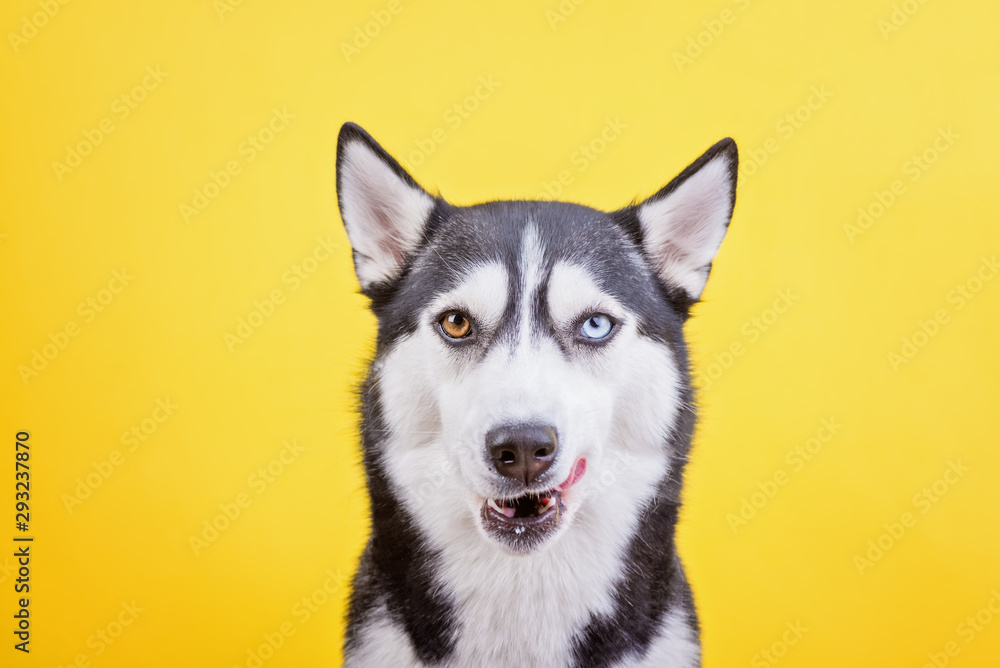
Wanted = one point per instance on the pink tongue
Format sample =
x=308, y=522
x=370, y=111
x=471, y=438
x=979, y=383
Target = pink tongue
x=579, y=468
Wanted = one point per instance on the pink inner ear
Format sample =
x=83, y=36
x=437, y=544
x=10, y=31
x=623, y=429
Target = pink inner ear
x=683, y=229
x=579, y=468
x=384, y=213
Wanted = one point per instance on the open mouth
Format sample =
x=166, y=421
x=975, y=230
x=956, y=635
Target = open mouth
x=524, y=522
x=529, y=506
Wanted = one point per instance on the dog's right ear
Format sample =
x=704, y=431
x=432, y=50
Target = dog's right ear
x=385, y=212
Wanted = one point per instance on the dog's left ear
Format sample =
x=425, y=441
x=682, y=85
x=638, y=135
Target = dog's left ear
x=683, y=224
x=385, y=212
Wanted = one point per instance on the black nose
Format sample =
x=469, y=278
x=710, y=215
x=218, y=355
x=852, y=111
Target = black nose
x=522, y=452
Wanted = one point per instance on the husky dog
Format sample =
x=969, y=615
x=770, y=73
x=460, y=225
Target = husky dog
x=526, y=419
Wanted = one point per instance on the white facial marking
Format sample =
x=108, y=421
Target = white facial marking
x=574, y=293
x=383, y=214
x=683, y=230
x=482, y=295
x=530, y=265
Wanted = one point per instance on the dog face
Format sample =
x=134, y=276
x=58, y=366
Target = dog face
x=528, y=352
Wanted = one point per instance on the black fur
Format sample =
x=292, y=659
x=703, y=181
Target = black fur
x=397, y=567
x=397, y=570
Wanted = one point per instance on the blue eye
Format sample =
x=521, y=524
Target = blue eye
x=597, y=326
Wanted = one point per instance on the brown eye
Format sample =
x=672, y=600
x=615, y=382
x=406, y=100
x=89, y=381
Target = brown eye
x=455, y=325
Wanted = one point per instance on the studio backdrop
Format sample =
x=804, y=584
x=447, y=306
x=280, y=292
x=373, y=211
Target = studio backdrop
x=183, y=333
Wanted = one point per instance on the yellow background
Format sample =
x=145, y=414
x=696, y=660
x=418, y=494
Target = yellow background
x=561, y=77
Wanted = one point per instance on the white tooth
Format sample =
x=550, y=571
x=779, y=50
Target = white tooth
x=503, y=510
x=549, y=502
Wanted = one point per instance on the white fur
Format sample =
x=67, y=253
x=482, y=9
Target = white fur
x=530, y=264
x=483, y=294
x=613, y=406
x=683, y=230
x=382, y=643
x=676, y=646
x=383, y=214
x=573, y=293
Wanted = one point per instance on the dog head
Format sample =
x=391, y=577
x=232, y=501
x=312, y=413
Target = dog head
x=530, y=368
